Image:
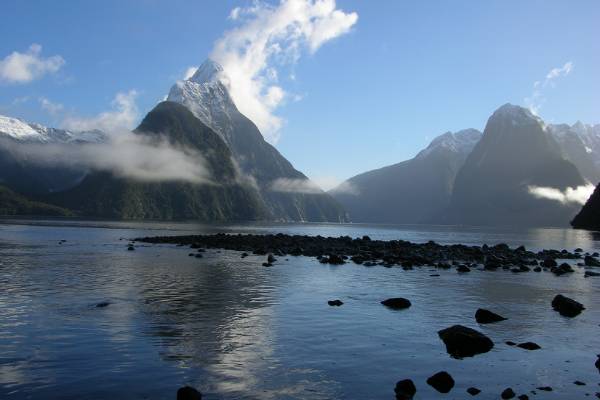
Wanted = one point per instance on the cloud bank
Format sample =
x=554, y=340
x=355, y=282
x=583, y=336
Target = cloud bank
x=286, y=185
x=124, y=115
x=538, y=98
x=267, y=38
x=578, y=195
x=26, y=67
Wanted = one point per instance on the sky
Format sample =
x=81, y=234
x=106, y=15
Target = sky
x=339, y=87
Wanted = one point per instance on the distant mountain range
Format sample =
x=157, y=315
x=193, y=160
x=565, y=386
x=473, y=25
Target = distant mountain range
x=498, y=178
x=519, y=171
x=199, y=115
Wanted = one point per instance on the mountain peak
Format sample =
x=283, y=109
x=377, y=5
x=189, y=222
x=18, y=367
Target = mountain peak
x=209, y=71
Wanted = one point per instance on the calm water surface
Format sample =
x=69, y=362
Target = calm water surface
x=237, y=330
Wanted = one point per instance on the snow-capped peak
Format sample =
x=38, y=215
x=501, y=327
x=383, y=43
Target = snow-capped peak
x=461, y=142
x=210, y=71
x=22, y=131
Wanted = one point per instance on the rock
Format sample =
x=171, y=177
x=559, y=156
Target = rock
x=473, y=391
x=271, y=258
x=188, y=393
x=597, y=363
x=483, y=316
x=529, y=346
x=335, y=303
x=462, y=342
x=549, y=263
x=567, y=307
x=199, y=255
x=587, y=274
x=523, y=397
x=442, y=382
x=405, y=390
x=130, y=247
x=244, y=255
x=102, y=304
x=508, y=393
x=434, y=275
x=578, y=250
x=463, y=268
x=266, y=264
x=397, y=303
x=510, y=343
x=544, y=388
x=579, y=383
x=537, y=269
x=562, y=269
x=590, y=261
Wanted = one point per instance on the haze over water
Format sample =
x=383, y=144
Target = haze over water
x=237, y=330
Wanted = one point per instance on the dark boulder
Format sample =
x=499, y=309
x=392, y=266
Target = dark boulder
x=462, y=342
x=508, y=393
x=579, y=383
x=510, y=343
x=271, y=258
x=397, y=303
x=544, y=388
x=405, y=390
x=587, y=274
x=188, y=393
x=473, y=391
x=549, y=263
x=523, y=397
x=335, y=303
x=463, y=268
x=529, y=346
x=562, y=269
x=591, y=261
x=103, y=304
x=442, y=382
x=484, y=316
x=567, y=307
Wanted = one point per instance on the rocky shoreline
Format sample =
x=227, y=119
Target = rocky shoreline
x=393, y=253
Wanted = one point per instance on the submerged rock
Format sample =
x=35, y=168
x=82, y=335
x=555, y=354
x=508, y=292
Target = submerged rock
x=442, y=382
x=483, y=316
x=405, y=389
x=335, y=303
x=562, y=269
x=529, y=346
x=103, y=304
x=188, y=393
x=567, y=307
x=397, y=303
x=508, y=393
x=462, y=342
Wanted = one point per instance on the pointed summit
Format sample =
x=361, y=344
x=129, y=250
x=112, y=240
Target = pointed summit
x=210, y=71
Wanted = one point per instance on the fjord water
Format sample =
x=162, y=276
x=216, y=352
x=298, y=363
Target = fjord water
x=237, y=330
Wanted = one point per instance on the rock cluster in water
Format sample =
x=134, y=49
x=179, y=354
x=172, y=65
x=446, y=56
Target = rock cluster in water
x=368, y=252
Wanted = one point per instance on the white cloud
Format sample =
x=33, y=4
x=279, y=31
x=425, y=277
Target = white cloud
x=26, y=67
x=346, y=188
x=189, y=72
x=50, y=107
x=123, y=116
x=287, y=185
x=538, y=98
x=268, y=38
x=577, y=195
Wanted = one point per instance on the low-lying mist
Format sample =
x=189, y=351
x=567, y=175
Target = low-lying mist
x=127, y=155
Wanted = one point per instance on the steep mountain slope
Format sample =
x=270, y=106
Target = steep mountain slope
x=207, y=96
x=413, y=191
x=515, y=153
x=589, y=216
x=226, y=199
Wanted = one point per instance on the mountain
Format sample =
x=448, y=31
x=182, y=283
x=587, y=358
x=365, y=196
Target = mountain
x=19, y=169
x=589, y=216
x=101, y=194
x=206, y=95
x=12, y=203
x=580, y=144
x=412, y=191
x=516, y=153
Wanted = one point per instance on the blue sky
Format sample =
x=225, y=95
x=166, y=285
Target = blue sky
x=405, y=72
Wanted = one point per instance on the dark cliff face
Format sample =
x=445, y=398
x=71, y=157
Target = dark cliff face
x=589, y=216
x=413, y=191
x=515, y=153
x=101, y=194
